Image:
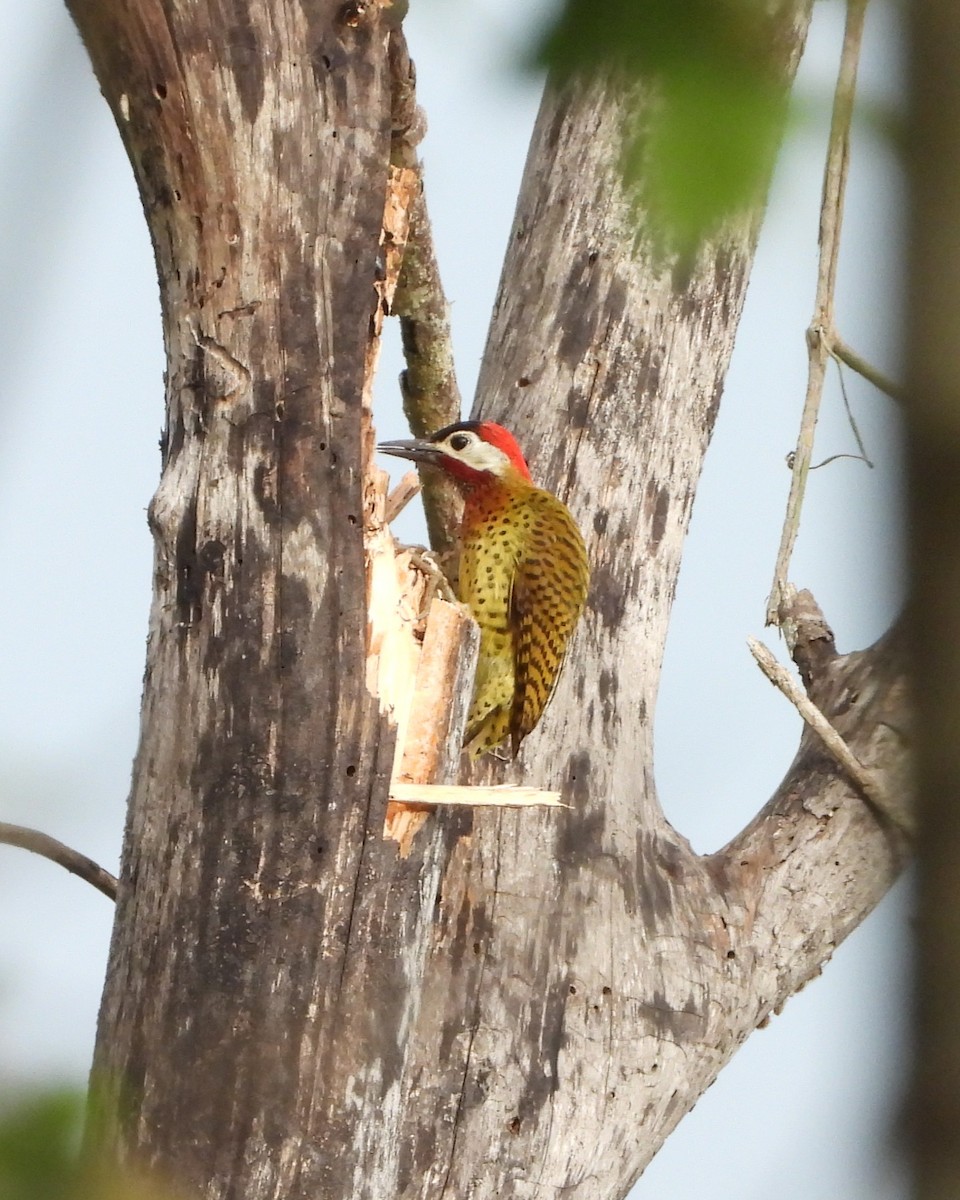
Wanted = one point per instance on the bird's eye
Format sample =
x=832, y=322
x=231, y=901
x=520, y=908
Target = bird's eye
x=459, y=441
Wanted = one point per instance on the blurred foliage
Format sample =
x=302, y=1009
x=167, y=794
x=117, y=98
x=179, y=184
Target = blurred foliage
x=701, y=151
x=40, y=1157
x=39, y=1142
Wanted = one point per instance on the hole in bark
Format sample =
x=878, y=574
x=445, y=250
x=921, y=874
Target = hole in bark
x=523, y=381
x=161, y=90
x=334, y=134
x=593, y=256
x=323, y=445
x=731, y=954
x=351, y=518
x=573, y=990
x=514, y=1125
x=326, y=62
x=351, y=771
x=611, y=1095
x=318, y=849
x=476, y=947
x=606, y=990
x=654, y=1066
x=351, y=14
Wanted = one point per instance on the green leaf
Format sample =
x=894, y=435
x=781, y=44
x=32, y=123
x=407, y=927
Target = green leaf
x=711, y=108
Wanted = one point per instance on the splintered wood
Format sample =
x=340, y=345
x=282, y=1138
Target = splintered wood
x=428, y=745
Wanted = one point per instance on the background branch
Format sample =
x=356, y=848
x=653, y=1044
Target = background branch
x=48, y=847
x=821, y=326
x=847, y=355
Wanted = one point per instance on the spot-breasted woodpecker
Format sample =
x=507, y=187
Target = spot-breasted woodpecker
x=523, y=575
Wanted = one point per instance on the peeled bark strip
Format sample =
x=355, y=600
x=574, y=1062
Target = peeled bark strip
x=525, y=1005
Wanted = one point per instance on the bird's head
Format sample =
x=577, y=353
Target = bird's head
x=472, y=452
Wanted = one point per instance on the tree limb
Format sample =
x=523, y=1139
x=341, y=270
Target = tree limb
x=868, y=783
x=817, y=836
x=48, y=847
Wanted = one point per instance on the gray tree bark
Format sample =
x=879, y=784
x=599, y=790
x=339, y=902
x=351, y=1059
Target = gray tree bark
x=526, y=1003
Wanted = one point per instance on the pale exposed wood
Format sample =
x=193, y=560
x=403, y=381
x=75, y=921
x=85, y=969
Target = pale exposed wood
x=430, y=740
x=505, y=795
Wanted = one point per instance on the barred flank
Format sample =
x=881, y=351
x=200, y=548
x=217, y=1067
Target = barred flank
x=524, y=576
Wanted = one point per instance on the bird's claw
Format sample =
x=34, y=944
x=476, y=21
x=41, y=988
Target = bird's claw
x=437, y=584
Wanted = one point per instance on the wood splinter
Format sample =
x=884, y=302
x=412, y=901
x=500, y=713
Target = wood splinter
x=505, y=795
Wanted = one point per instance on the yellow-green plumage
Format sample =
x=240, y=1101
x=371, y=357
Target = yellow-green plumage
x=524, y=576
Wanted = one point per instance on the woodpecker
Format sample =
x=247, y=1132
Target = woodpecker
x=523, y=575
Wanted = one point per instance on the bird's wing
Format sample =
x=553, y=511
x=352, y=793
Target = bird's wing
x=549, y=589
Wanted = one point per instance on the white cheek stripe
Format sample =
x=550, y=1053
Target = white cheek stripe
x=482, y=457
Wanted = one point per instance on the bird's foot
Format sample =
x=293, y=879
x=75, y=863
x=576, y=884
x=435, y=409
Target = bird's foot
x=426, y=562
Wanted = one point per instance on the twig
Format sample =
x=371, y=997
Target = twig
x=825, y=462
x=845, y=354
x=849, y=411
x=862, y=776
x=48, y=847
x=401, y=495
x=822, y=324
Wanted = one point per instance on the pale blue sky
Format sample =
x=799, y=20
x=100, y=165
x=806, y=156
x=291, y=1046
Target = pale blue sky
x=803, y=1111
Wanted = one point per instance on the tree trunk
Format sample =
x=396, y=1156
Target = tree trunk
x=933, y=457
x=526, y=1003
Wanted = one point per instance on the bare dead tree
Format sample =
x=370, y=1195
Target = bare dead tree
x=512, y=1003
